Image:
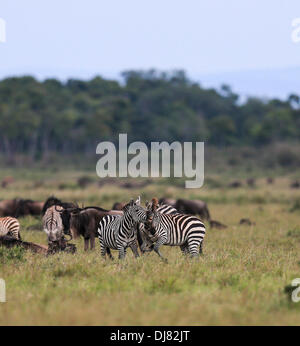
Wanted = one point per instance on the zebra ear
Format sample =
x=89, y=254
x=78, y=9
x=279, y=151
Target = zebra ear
x=131, y=202
x=138, y=201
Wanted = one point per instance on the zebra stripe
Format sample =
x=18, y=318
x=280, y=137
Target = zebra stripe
x=10, y=225
x=182, y=230
x=52, y=223
x=118, y=232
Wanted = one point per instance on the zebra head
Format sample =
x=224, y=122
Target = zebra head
x=147, y=230
x=135, y=210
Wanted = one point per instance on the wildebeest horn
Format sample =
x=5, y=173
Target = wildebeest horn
x=60, y=211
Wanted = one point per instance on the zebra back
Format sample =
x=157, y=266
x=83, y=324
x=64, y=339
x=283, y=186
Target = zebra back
x=10, y=225
x=52, y=222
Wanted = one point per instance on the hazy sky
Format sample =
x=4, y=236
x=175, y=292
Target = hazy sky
x=71, y=38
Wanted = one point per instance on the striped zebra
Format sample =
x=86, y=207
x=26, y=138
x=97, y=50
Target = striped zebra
x=118, y=232
x=182, y=230
x=142, y=235
x=10, y=226
x=52, y=223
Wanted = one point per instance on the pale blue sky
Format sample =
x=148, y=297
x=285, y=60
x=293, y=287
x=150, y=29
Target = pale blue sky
x=71, y=38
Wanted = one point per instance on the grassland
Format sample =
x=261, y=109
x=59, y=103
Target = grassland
x=240, y=279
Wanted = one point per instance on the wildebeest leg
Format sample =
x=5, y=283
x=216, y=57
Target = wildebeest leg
x=92, y=242
x=134, y=249
x=86, y=244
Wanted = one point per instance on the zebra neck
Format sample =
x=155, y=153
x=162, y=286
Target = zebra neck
x=127, y=224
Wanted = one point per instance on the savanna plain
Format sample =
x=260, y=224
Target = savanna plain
x=241, y=278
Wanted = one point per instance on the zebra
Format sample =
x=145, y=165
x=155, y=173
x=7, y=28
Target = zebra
x=10, y=225
x=182, y=230
x=53, y=224
x=142, y=235
x=118, y=232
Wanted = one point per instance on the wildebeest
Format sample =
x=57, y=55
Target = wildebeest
x=270, y=180
x=193, y=207
x=28, y=207
x=247, y=222
x=8, y=207
x=251, y=182
x=55, y=201
x=118, y=206
x=6, y=181
x=216, y=224
x=235, y=184
x=295, y=184
x=84, y=222
x=169, y=201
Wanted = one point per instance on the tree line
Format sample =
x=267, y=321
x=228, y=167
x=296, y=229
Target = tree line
x=42, y=117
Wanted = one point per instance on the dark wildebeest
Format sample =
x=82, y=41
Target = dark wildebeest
x=84, y=222
x=247, y=222
x=196, y=207
x=6, y=181
x=168, y=201
x=270, y=180
x=28, y=207
x=55, y=201
x=251, y=182
x=216, y=224
x=8, y=207
x=118, y=206
x=295, y=184
x=235, y=184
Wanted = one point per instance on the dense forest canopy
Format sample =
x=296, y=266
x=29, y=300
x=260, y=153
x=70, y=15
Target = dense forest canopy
x=37, y=118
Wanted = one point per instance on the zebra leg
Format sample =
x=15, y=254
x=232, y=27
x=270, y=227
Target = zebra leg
x=134, y=249
x=122, y=252
x=184, y=248
x=109, y=253
x=200, y=248
x=156, y=248
x=103, y=249
x=194, y=248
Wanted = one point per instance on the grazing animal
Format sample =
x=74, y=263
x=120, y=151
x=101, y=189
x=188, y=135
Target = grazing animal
x=270, y=180
x=53, y=224
x=216, y=224
x=169, y=201
x=118, y=206
x=295, y=184
x=181, y=230
x=251, y=182
x=55, y=201
x=28, y=207
x=235, y=184
x=119, y=232
x=10, y=226
x=247, y=222
x=7, y=181
x=8, y=207
x=195, y=207
x=84, y=222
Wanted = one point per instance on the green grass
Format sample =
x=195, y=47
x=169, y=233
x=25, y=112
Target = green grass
x=240, y=279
